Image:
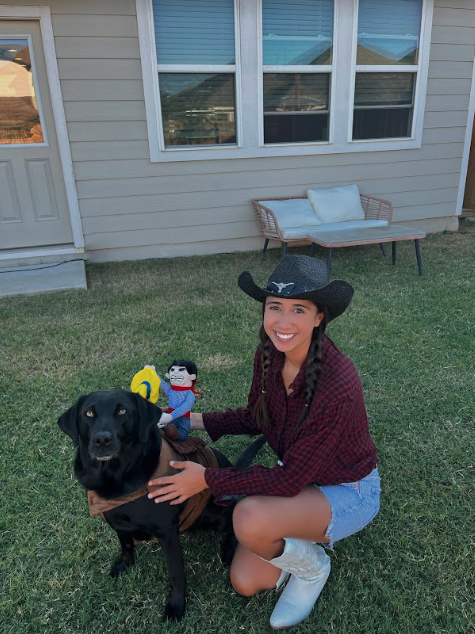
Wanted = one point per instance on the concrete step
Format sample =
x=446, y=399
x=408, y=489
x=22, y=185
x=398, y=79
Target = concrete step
x=42, y=278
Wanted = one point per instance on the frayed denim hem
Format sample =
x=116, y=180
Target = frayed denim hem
x=353, y=506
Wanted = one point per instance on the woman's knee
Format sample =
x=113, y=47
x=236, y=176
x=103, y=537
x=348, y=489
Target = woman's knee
x=249, y=519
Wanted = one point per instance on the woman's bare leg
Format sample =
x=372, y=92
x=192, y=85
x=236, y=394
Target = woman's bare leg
x=261, y=523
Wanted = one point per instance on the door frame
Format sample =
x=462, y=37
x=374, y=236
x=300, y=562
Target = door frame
x=43, y=15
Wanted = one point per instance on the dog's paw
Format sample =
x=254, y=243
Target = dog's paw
x=118, y=569
x=174, y=611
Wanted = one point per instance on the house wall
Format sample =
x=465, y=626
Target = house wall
x=132, y=208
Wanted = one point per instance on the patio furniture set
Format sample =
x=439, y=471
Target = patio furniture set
x=332, y=218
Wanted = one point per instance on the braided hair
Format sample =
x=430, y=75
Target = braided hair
x=313, y=370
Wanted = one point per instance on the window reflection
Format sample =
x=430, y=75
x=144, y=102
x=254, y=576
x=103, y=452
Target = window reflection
x=198, y=109
x=389, y=33
x=296, y=107
x=19, y=116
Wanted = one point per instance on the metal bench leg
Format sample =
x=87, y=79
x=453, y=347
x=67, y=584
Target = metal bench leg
x=265, y=245
x=418, y=256
x=312, y=250
x=381, y=244
x=393, y=249
x=285, y=248
x=329, y=260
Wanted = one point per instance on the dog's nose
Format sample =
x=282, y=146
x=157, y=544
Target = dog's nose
x=102, y=438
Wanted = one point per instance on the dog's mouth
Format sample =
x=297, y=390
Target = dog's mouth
x=103, y=454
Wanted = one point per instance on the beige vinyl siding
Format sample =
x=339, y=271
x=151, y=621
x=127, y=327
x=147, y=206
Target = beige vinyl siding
x=143, y=168
x=97, y=47
x=208, y=200
x=132, y=208
x=105, y=111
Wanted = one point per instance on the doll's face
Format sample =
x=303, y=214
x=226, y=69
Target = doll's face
x=178, y=375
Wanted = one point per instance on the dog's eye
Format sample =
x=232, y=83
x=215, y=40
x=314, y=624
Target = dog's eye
x=90, y=413
x=122, y=411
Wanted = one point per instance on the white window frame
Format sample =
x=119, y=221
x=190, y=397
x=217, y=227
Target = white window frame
x=418, y=104
x=249, y=89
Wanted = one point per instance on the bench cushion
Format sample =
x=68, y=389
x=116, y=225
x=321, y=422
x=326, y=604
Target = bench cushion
x=298, y=233
x=294, y=213
x=336, y=204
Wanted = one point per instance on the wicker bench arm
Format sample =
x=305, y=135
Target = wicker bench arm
x=266, y=219
x=376, y=208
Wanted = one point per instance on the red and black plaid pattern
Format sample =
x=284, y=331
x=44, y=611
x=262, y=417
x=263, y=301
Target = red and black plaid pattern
x=332, y=446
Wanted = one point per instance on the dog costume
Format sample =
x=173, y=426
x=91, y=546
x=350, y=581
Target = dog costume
x=193, y=449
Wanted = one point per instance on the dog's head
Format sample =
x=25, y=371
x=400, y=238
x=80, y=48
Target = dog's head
x=106, y=422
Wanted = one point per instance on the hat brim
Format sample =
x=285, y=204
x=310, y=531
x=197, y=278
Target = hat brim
x=336, y=295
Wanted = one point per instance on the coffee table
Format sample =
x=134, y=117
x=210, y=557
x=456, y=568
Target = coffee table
x=336, y=238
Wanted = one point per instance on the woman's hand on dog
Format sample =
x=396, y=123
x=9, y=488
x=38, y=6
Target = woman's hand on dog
x=178, y=488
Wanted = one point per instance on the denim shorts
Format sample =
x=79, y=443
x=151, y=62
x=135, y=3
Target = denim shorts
x=353, y=504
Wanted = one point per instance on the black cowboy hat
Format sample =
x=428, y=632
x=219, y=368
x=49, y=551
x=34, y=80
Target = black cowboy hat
x=301, y=277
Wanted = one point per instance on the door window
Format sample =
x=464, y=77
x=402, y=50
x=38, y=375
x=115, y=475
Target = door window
x=20, y=120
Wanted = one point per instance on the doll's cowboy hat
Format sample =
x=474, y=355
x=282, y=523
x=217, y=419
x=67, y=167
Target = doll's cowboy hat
x=301, y=277
x=147, y=384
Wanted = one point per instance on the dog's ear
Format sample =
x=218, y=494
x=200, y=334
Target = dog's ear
x=149, y=414
x=68, y=422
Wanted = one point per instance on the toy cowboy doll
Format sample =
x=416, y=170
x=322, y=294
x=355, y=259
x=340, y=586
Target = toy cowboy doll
x=180, y=393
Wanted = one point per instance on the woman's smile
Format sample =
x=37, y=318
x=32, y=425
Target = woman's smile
x=284, y=337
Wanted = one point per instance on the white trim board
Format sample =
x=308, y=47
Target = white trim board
x=38, y=253
x=43, y=14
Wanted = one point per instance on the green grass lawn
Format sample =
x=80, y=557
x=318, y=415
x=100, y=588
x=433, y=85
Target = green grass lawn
x=412, y=340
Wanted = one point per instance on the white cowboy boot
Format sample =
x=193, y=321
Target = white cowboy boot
x=309, y=567
x=284, y=575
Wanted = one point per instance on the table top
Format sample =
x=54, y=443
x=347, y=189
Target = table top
x=370, y=235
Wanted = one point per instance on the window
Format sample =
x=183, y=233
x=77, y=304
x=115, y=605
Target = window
x=196, y=65
x=297, y=40
x=20, y=120
x=250, y=78
x=386, y=68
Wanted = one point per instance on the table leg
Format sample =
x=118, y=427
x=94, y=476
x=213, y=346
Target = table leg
x=393, y=249
x=265, y=245
x=381, y=244
x=329, y=260
x=312, y=249
x=284, y=251
x=418, y=256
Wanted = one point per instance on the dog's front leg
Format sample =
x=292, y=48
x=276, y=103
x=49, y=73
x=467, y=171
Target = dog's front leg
x=127, y=556
x=175, y=607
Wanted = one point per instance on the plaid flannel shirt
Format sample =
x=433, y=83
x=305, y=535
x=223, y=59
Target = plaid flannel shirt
x=332, y=446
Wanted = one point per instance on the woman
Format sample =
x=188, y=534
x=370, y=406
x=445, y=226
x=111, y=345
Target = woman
x=307, y=399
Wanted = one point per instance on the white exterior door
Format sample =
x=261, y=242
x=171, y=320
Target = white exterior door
x=34, y=208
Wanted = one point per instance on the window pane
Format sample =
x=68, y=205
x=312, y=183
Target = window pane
x=295, y=107
x=194, y=31
x=384, y=89
x=298, y=32
x=388, y=32
x=390, y=123
x=197, y=108
x=383, y=105
x=19, y=117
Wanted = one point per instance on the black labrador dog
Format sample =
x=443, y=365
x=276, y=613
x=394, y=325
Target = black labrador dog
x=118, y=448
